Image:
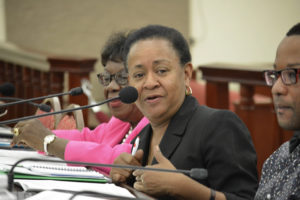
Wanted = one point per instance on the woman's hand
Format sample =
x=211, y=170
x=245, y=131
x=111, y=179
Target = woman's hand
x=31, y=133
x=119, y=175
x=157, y=183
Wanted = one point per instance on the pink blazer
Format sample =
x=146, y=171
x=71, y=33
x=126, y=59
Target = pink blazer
x=101, y=145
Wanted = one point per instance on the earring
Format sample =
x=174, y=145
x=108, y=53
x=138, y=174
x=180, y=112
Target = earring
x=188, y=91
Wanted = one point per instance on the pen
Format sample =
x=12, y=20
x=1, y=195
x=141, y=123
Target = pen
x=135, y=146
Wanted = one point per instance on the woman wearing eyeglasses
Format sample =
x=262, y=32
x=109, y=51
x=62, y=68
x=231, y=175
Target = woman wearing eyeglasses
x=106, y=141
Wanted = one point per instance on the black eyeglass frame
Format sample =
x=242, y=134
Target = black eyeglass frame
x=101, y=78
x=284, y=76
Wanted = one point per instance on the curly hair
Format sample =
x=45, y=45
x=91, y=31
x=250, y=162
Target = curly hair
x=295, y=30
x=113, y=48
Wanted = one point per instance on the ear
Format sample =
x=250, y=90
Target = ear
x=188, y=71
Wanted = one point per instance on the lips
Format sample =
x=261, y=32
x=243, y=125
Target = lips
x=115, y=103
x=153, y=98
x=280, y=108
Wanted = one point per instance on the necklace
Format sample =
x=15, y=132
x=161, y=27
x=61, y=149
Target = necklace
x=126, y=136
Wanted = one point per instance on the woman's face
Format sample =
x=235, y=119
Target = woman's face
x=155, y=71
x=125, y=112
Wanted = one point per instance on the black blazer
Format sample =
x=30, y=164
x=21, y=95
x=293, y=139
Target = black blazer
x=202, y=137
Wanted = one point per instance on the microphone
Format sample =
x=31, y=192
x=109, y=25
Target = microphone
x=126, y=95
x=72, y=92
x=196, y=173
x=7, y=89
x=42, y=106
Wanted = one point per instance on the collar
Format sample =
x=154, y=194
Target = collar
x=174, y=132
x=295, y=141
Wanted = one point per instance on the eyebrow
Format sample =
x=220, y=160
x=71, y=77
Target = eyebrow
x=161, y=61
x=293, y=64
x=155, y=62
x=138, y=66
x=288, y=65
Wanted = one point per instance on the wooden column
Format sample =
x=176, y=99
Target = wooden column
x=217, y=95
x=247, y=97
x=27, y=89
x=9, y=77
x=2, y=73
x=36, y=82
x=17, y=77
x=45, y=83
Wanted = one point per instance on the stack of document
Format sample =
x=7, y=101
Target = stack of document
x=54, y=172
x=48, y=176
x=46, y=170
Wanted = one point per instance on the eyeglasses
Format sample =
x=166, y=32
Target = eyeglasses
x=289, y=76
x=106, y=78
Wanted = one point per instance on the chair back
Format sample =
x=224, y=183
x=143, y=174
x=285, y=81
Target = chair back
x=50, y=121
x=71, y=120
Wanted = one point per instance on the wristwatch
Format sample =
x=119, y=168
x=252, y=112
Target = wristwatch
x=48, y=140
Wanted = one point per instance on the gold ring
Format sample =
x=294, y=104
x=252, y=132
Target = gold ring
x=16, y=131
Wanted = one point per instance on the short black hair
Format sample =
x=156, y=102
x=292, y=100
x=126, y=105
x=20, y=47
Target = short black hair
x=295, y=30
x=176, y=39
x=113, y=48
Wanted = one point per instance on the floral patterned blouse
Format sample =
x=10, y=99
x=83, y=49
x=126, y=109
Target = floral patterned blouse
x=280, y=177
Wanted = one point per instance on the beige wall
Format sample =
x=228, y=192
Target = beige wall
x=79, y=27
x=2, y=22
x=242, y=31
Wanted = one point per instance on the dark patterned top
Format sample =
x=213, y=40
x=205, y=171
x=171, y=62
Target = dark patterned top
x=280, y=177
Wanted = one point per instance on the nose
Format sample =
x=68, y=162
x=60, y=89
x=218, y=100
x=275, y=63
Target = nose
x=279, y=88
x=113, y=86
x=150, y=81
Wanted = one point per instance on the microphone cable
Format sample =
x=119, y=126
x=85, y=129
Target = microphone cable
x=42, y=106
x=196, y=173
x=72, y=92
x=126, y=95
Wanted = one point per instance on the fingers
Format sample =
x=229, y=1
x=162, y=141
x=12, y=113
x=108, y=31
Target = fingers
x=138, y=185
x=139, y=180
x=139, y=155
x=137, y=172
x=121, y=175
x=17, y=130
x=30, y=132
x=163, y=162
x=17, y=135
x=158, y=155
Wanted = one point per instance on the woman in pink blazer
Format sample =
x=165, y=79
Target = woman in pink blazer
x=106, y=141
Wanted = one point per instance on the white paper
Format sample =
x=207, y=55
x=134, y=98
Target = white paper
x=10, y=157
x=50, y=195
x=41, y=185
